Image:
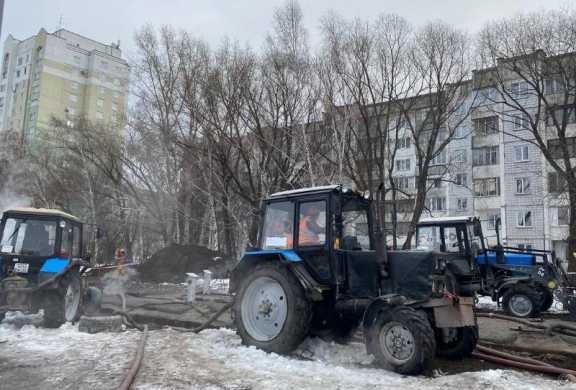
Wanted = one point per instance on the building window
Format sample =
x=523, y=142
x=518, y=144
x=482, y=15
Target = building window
x=439, y=158
x=77, y=59
x=522, y=185
x=461, y=179
x=459, y=156
x=520, y=153
x=486, y=126
x=437, y=204
x=563, y=215
x=460, y=132
x=485, y=156
x=519, y=89
x=521, y=121
x=404, y=143
x=403, y=165
x=525, y=247
x=487, y=187
x=403, y=182
x=437, y=183
x=524, y=218
x=561, y=114
x=17, y=73
x=73, y=98
x=462, y=204
x=492, y=218
x=556, y=183
x=100, y=103
x=556, y=147
x=553, y=86
x=20, y=61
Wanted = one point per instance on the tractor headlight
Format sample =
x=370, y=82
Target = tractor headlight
x=552, y=284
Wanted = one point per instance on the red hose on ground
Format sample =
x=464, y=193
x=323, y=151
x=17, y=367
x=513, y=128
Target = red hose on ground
x=136, y=362
x=504, y=355
x=570, y=374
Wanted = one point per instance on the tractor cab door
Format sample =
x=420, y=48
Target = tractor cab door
x=453, y=241
x=313, y=237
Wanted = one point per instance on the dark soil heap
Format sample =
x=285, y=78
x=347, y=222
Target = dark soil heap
x=171, y=264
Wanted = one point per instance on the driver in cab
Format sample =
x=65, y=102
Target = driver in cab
x=309, y=229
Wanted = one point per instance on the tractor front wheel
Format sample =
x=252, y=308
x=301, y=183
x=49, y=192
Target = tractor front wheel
x=522, y=301
x=402, y=340
x=456, y=343
x=271, y=310
x=63, y=304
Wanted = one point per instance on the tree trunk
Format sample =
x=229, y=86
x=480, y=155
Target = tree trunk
x=571, y=255
x=418, y=207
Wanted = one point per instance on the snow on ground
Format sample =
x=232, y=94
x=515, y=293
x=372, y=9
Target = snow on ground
x=36, y=358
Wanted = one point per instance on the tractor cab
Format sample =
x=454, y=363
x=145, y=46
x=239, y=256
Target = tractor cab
x=38, y=242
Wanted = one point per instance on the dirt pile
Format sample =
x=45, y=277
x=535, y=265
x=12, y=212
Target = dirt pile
x=171, y=264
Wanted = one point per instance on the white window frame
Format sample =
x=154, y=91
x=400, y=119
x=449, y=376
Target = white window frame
x=462, y=204
x=524, y=219
x=460, y=156
x=521, y=151
x=458, y=180
x=522, y=183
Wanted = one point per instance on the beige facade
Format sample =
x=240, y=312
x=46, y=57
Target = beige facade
x=60, y=75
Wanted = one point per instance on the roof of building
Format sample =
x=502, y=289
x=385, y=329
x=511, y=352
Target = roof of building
x=440, y=220
x=49, y=212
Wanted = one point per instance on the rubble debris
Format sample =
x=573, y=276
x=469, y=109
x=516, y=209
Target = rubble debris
x=100, y=324
x=171, y=264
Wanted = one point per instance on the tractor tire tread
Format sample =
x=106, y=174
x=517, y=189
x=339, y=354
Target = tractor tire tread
x=297, y=326
x=422, y=331
x=526, y=290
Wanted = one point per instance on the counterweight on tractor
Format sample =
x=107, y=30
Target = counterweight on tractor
x=316, y=271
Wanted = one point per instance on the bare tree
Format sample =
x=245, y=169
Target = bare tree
x=533, y=70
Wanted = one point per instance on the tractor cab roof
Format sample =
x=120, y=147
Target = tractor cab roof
x=334, y=188
x=30, y=211
x=447, y=220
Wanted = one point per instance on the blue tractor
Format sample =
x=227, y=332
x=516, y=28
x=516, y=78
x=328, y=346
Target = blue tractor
x=42, y=261
x=523, y=281
x=320, y=268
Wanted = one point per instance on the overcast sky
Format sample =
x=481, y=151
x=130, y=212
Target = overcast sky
x=244, y=20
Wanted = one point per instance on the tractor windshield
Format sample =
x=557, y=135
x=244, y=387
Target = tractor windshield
x=356, y=232
x=31, y=237
x=428, y=238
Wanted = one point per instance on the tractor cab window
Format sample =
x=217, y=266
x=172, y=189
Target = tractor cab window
x=67, y=240
x=278, y=226
x=428, y=238
x=23, y=236
x=355, y=229
x=312, y=224
x=454, y=239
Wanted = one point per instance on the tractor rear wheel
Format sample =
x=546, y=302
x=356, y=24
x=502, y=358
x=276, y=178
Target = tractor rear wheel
x=522, y=301
x=271, y=310
x=456, y=343
x=402, y=340
x=63, y=304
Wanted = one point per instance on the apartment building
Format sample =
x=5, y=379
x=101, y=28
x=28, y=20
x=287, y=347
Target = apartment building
x=60, y=75
x=491, y=170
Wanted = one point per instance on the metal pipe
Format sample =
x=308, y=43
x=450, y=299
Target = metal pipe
x=570, y=374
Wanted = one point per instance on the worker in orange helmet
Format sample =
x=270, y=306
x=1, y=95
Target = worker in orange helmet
x=309, y=229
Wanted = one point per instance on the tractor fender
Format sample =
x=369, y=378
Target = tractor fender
x=510, y=283
x=313, y=289
x=379, y=304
